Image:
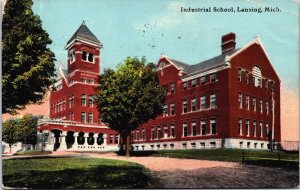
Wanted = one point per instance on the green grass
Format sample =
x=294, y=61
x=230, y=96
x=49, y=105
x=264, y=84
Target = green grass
x=33, y=153
x=79, y=173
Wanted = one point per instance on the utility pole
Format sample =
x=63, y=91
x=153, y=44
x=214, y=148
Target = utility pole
x=273, y=120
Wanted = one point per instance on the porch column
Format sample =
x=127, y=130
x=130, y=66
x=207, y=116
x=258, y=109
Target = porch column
x=86, y=136
x=63, y=144
x=75, y=138
x=104, y=139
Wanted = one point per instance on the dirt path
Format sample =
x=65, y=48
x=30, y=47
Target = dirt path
x=189, y=173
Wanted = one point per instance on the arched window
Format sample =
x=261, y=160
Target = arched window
x=91, y=57
x=257, y=76
x=84, y=55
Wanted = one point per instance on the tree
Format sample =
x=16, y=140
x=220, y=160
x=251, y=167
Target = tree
x=129, y=97
x=27, y=62
x=10, y=133
x=27, y=129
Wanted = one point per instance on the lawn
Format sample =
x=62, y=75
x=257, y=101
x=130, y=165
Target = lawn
x=79, y=173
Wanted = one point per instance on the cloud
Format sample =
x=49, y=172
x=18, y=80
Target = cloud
x=171, y=18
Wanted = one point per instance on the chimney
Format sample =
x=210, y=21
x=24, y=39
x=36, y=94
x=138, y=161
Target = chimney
x=228, y=42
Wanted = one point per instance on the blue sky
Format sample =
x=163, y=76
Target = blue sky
x=150, y=28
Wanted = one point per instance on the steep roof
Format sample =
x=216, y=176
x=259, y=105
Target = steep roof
x=204, y=65
x=83, y=32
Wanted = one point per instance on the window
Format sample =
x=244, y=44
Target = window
x=194, y=104
x=84, y=55
x=267, y=108
x=185, y=85
x=255, y=145
x=254, y=104
x=165, y=110
x=138, y=134
x=83, y=116
x=173, y=87
x=248, y=127
x=203, y=103
x=70, y=101
x=165, y=89
x=72, y=56
x=241, y=144
x=184, y=129
x=272, y=86
x=240, y=126
x=72, y=116
x=91, y=81
x=240, y=74
x=213, y=77
x=203, y=127
x=261, y=129
x=203, y=80
x=172, y=109
x=213, y=103
x=261, y=105
x=254, y=128
x=248, y=144
x=247, y=77
x=111, y=138
x=90, y=117
x=172, y=130
x=267, y=129
x=267, y=84
x=213, y=126
x=256, y=76
x=247, y=102
x=202, y=145
x=153, y=133
x=91, y=101
x=143, y=134
x=166, y=135
x=117, y=139
x=194, y=128
x=84, y=80
x=159, y=133
x=194, y=82
x=83, y=100
x=240, y=100
x=212, y=144
x=91, y=57
x=185, y=108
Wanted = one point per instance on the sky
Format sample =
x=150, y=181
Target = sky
x=152, y=28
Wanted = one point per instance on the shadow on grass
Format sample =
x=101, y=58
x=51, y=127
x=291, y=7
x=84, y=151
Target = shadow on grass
x=91, y=178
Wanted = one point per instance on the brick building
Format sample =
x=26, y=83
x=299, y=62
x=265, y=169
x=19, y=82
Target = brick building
x=226, y=101
x=74, y=122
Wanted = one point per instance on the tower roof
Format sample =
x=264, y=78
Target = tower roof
x=84, y=33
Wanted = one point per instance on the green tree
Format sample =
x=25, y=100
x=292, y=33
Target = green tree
x=10, y=133
x=27, y=62
x=129, y=97
x=27, y=128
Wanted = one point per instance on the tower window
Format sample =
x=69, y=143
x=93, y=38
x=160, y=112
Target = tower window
x=84, y=55
x=91, y=57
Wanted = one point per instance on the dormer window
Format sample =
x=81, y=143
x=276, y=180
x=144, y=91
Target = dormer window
x=84, y=80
